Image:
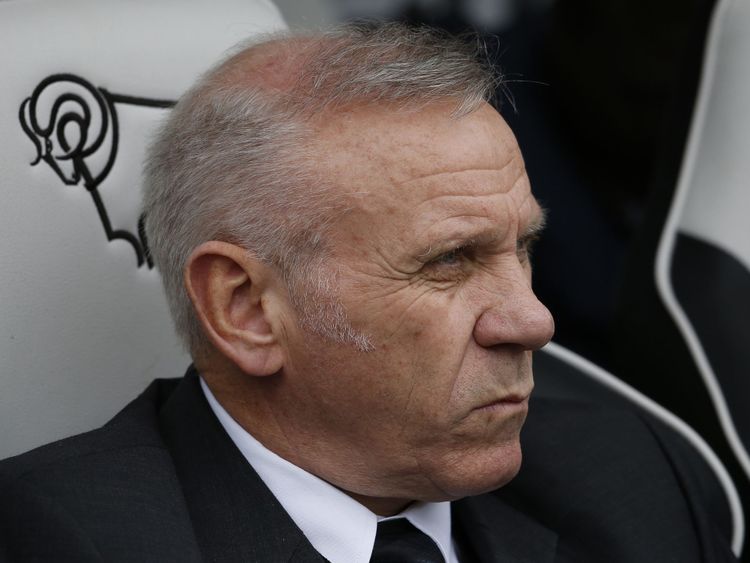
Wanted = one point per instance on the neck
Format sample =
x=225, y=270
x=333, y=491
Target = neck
x=243, y=401
x=381, y=506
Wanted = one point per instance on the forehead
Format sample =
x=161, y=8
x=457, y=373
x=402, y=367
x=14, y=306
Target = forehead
x=426, y=169
x=406, y=143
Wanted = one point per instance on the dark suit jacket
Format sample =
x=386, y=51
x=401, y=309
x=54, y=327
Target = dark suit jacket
x=163, y=482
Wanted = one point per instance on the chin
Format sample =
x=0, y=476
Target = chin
x=480, y=472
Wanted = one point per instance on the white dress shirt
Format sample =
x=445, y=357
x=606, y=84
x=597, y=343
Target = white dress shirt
x=338, y=527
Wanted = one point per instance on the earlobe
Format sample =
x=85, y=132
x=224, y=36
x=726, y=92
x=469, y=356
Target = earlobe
x=232, y=293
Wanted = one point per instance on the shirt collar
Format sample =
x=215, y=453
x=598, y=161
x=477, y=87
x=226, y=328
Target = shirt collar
x=338, y=527
x=434, y=519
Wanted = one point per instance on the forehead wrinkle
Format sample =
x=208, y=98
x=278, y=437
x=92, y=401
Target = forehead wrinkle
x=483, y=197
x=381, y=148
x=438, y=175
x=480, y=206
x=496, y=203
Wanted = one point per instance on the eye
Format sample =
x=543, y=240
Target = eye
x=450, y=258
x=448, y=266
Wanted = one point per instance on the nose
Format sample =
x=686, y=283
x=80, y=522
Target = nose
x=516, y=318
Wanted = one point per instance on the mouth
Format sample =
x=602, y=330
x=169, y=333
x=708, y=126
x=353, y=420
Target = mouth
x=510, y=403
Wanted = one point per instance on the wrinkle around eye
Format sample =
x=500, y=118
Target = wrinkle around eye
x=448, y=275
x=404, y=310
x=386, y=269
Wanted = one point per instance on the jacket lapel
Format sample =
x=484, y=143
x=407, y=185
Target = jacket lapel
x=235, y=516
x=499, y=533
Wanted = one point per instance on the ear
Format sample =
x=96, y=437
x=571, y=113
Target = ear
x=236, y=297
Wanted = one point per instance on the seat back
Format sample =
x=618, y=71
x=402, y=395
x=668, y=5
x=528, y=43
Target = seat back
x=83, y=321
x=703, y=259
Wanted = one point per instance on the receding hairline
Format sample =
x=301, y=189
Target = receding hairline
x=294, y=68
x=271, y=63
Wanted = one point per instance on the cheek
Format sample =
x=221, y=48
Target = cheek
x=429, y=353
x=421, y=339
x=435, y=329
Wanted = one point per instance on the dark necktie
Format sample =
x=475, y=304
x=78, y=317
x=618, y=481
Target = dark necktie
x=398, y=541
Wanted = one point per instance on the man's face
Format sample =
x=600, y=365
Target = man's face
x=432, y=267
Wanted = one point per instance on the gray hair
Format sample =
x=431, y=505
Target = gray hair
x=230, y=162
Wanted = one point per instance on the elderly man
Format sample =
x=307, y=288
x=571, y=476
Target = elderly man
x=343, y=226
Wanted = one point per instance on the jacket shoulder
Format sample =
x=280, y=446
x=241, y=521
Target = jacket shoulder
x=134, y=426
x=100, y=495
x=616, y=482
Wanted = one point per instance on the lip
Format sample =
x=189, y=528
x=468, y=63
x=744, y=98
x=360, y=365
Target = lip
x=508, y=402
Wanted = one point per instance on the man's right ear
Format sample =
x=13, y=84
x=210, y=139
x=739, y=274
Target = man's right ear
x=236, y=297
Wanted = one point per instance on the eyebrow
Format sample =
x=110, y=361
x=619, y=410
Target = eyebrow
x=531, y=232
x=537, y=225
